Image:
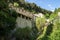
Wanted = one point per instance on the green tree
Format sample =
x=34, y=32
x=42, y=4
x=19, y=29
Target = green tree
x=53, y=29
x=24, y=34
x=55, y=35
x=7, y=19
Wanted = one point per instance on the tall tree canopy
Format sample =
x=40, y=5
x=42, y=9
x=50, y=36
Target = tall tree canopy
x=7, y=18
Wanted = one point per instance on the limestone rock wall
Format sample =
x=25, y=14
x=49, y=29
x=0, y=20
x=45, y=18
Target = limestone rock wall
x=23, y=22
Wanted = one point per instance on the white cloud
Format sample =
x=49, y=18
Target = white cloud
x=49, y=5
x=52, y=10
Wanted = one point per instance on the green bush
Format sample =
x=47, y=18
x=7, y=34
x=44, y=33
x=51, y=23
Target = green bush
x=55, y=35
x=53, y=29
x=24, y=34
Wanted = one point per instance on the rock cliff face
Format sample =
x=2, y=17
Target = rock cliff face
x=23, y=22
x=25, y=17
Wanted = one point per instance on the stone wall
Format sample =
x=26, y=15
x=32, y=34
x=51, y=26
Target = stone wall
x=25, y=17
x=23, y=21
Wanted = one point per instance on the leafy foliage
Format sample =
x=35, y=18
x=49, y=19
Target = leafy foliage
x=40, y=22
x=53, y=30
x=32, y=7
x=24, y=34
x=7, y=19
x=55, y=35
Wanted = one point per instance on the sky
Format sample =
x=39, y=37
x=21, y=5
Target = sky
x=46, y=4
